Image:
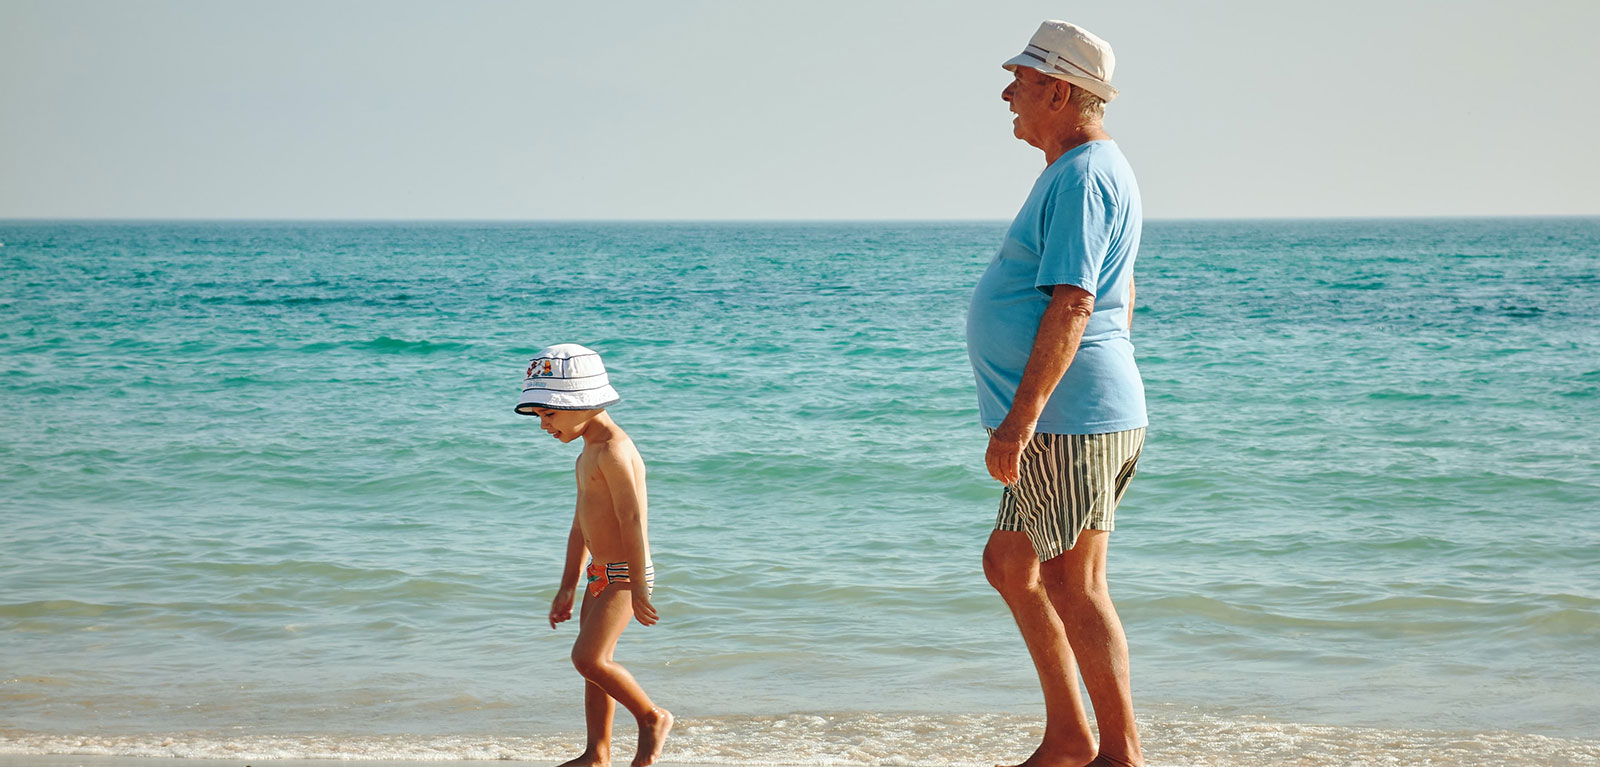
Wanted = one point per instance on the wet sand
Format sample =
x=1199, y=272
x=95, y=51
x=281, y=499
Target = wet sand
x=56, y=760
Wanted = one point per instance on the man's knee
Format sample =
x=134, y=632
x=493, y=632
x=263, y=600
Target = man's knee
x=993, y=571
x=1007, y=573
x=1070, y=588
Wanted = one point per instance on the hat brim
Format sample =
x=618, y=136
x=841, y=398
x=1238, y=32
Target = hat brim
x=1103, y=90
x=590, y=399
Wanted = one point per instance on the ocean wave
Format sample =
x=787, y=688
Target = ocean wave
x=385, y=345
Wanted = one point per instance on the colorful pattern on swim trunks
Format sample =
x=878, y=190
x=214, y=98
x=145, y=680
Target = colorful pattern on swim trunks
x=601, y=576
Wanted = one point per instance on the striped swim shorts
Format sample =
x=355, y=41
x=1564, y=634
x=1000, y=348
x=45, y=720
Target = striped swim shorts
x=1069, y=483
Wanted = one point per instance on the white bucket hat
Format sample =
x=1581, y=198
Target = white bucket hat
x=566, y=377
x=1069, y=52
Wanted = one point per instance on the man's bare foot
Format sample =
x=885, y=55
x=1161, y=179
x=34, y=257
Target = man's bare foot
x=653, y=728
x=1064, y=757
x=1110, y=761
x=591, y=758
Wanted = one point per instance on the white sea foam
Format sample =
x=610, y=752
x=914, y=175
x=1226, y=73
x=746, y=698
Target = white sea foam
x=876, y=740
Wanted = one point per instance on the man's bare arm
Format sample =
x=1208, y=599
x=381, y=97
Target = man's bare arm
x=626, y=484
x=1056, y=344
x=1130, y=303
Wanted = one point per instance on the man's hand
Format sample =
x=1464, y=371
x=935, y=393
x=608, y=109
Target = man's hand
x=1004, y=457
x=561, y=607
x=1054, y=346
x=643, y=611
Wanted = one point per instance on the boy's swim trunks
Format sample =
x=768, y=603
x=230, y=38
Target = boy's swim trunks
x=1070, y=483
x=601, y=576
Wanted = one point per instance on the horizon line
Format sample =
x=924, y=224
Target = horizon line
x=377, y=220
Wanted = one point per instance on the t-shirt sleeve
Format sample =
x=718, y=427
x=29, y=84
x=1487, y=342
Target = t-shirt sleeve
x=1076, y=238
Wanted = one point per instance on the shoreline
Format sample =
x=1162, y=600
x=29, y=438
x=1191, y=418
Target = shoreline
x=98, y=760
x=830, y=740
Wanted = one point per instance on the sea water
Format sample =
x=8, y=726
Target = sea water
x=262, y=492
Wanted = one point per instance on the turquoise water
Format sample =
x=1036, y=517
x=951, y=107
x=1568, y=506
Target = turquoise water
x=262, y=492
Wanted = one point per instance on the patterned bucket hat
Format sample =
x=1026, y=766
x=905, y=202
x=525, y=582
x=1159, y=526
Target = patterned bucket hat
x=566, y=377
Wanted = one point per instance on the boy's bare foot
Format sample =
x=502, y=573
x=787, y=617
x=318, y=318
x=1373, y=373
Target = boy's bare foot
x=590, y=758
x=1058, y=758
x=653, y=728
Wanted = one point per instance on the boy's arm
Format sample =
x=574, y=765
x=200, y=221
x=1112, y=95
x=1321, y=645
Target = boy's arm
x=561, y=608
x=576, y=553
x=626, y=483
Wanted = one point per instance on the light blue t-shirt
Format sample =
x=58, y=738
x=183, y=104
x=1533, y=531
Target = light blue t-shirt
x=1080, y=226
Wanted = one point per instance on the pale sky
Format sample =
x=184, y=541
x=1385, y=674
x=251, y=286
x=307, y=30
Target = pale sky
x=858, y=109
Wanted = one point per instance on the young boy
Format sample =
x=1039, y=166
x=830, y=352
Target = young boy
x=567, y=388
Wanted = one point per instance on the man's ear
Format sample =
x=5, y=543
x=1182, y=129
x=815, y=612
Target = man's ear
x=1061, y=95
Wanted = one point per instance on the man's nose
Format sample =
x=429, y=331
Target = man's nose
x=1005, y=94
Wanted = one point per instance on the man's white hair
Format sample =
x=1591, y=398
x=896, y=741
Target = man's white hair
x=1090, y=106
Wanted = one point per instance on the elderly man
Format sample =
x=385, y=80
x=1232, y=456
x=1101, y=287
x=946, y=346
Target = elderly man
x=1048, y=335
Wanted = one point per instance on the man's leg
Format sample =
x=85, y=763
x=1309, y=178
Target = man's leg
x=1076, y=583
x=1013, y=570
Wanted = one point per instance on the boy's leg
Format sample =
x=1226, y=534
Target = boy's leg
x=592, y=655
x=606, y=616
x=598, y=709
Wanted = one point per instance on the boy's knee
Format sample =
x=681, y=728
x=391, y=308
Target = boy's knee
x=588, y=665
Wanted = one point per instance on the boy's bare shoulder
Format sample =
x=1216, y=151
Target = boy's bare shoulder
x=617, y=451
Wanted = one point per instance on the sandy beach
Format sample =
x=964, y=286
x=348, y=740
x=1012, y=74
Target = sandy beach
x=868, y=740
x=29, y=760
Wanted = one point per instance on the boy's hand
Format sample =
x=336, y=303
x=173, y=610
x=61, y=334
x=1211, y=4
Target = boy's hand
x=642, y=609
x=561, y=607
